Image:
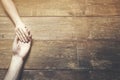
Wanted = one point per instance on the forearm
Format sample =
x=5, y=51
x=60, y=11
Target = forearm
x=12, y=11
x=14, y=69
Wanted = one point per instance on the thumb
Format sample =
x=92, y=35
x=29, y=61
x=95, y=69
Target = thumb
x=15, y=41
x=30, y=40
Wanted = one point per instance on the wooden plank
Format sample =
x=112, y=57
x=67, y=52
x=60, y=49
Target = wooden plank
x=102, y=8
x=99, y=54
x=97, y=28
x=66, y=28
x=102, y=2
x=105, y=75
x=48, y=8
x=98, y=44
x=66, y=75
x=42, y=28
x=44, y=55
x=66, y=8
x=99, y=60
x=62, y=54
x=51, y=75
x=2, y=74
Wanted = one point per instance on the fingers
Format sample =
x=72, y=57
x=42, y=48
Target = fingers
x=25, y=37
x=27, y=43
x=25, y=31
x=22, y=34
x=18, y=33
x=30, y=37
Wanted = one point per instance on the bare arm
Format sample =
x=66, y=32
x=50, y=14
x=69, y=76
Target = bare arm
x=20, y=50
x=14, y=69
x=13, y=14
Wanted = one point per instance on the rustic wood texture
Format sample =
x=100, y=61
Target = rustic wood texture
x=97, y=28
x=48, y=8
x=44, y=55
x=42, y=28
x=66, y=75
x=72, y=39
x=101, y=55
x=102, y=8
x=66, y=28
x=66, y=8
x=63, y=55
x=51, y=75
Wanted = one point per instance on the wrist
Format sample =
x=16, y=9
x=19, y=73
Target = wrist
x=20, y=24
x=17, y=57
x=16, y=63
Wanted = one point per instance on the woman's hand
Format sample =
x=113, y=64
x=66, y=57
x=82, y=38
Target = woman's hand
x=22, y=32
x=21, y=49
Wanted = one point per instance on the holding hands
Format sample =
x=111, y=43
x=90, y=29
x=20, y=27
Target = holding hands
x=22, y=33
x=21, y=44
x=21, y=49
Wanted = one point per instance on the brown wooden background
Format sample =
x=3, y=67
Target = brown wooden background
x=73, y=39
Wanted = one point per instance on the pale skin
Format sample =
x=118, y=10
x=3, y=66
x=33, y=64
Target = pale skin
x=20, y=51
x=21, y=44
x=20, y=27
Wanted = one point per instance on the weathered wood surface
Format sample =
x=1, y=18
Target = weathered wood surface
x=66, y=28
x=42, y=28
x=51, y=75
x=66, y=75
x=66, y=8
x=97, y=28
x=64, y=36
x=102, y=8
x=99, y=54
x=104, y=75
x=44, y=55
x=48, y=8
x=73, y=39
x=67, y=55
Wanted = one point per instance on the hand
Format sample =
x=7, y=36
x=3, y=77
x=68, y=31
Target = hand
x=21, y=49
x=22, y=32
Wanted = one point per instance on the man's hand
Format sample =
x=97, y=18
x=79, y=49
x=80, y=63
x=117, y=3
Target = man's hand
x=22, y=32
x=21, y=49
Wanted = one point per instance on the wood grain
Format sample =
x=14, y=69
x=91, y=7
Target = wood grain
x=51, y=75
x=42, y=28
x=66, y=8
x=72, y=39
x=97, y=28
x=44, y=55
x=106, y=75
x=99, y=54
x=66, y=28
x=48, y=8
x=62, y=55
x=102, y=8
x=66, y=75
